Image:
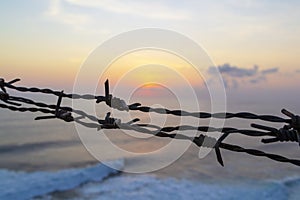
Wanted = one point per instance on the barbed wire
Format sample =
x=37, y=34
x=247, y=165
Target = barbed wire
x=164, y=129
x=138, y=107
x=289, y=133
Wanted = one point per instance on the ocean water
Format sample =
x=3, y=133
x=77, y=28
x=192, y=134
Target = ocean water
x=47, y=160
x=100, y=182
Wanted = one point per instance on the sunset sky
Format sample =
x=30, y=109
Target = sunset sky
x=254, y=43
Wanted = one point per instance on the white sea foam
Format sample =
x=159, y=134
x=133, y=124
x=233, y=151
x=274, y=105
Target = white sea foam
x=22, y=185
x=149, y=187
x=88, y=183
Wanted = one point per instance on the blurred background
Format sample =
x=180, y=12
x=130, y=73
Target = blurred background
x=253, y=44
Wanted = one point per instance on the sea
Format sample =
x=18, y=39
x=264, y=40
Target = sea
x=48, y=160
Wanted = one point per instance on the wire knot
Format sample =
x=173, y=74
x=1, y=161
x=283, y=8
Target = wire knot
x=59, y=113
x=64, y=115
x=285, y=135
x=110, y=122
x=4, y=96
x=205, y=141
x=279, y=135
x=119, y=104
x=3, y=83
x=294, y=121
x=113, y=102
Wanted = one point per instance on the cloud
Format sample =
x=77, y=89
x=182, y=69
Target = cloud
x=234, y=75
x=57, y=12
x=142, y=8
x=83, y=15
x=297, y=71
x=270, y=71
x=233, y=71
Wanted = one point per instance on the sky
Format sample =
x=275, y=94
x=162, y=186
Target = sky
x=253, y=43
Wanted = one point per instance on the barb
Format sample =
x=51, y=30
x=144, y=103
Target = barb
x=294, y=121
x=3, y=84
x=109, y=122
x=138, y=107
x=3, y=94
x=164, y=129
x=59, y=113
x=279, y=135
x=5, y=98
x=111, y=101
x=200, y=141
x=43, y=105
x=289, y=132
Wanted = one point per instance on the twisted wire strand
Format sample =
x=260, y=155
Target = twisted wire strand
x=54, y=92
x=43, y=105
x=23, y=109
x=94, y=125
x=138, y=107
x=211, y=129
x=164, y=129
x=209, y=142
x=285, y=134
x=259, y=153
x=205, y=115
x=200, y=141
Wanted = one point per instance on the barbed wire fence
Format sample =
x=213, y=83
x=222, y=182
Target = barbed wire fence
x=288, y=133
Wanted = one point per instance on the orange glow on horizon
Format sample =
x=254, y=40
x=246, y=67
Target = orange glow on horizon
x=151, y=85
x=138, y=68
x=151, y=90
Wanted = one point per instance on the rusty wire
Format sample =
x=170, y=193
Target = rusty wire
x=288, y=133
x=138, y=107
x=164, y=129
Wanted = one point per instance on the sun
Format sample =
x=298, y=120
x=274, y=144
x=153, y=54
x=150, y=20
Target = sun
x=151, y=86
x=150, y=90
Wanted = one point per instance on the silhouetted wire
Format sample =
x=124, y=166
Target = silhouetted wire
x=138, y=107
x=23, y=109
x=43, y=105
x=201, y=140
x=285, y=134
x=205, y=115
x=164, y=129
x=288, y=133
x=255, y=152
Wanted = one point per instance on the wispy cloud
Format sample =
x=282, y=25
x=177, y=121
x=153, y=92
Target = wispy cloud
x=270, y=71
x=233, y=75
x=84, y=15
x=141, y=8
x=57, y=12
x=233, y=71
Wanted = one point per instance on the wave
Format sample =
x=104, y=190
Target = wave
x=23, y=185
x=88, y=183
x=150, y=187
